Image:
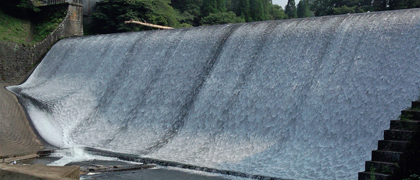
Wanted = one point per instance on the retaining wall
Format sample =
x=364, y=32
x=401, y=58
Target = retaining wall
x=16, y=59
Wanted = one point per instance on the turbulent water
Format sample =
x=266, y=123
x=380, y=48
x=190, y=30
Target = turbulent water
x=302, y=99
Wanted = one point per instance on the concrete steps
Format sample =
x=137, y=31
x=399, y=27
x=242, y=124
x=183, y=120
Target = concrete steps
x=384, y=163
x=386, y=156
x=381, y=167
x=375, y=176
x=391, y=145
x=405, y=125
x=398, y=135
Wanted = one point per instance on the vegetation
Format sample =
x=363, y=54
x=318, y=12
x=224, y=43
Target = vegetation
x=413, y=177
x=221, y=18
x=111, y=15
x=13, y=29
x=48, y=21
x=291, y=11
x=17, y=17
x=372, y=173
x=303, y=9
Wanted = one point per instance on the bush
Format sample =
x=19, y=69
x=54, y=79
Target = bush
x=221, y=18
x=47, y=21
x=110, y=15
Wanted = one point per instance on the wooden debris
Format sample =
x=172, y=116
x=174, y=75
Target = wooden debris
x=148, y=24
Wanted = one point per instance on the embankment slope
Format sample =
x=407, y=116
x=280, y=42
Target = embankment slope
x=16, y=136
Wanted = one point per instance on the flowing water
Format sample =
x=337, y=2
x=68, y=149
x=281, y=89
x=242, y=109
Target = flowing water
x=301, y=99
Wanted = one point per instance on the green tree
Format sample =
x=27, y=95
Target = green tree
x=233, y=5
x=179, y=4
x=188, y=11
x=221, y=18
x=322, y=7
x=110, y=15
x=221, y=5
x=379, y=5
x=243, y=10
x=257, y=10
x=209, y=7
x=266, y=7
x=303, y=9
x=184, y=5
x=291, y=9
x=345, y=10
x=329, y=7
x=277, y=12
x=404, y=4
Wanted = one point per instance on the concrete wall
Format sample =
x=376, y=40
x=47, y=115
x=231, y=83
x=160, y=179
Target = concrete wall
x=16, y=136
x=38, y=172
x=88, y=6
x=17, y=59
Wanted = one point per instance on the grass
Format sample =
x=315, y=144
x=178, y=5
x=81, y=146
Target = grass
x=18, y=30
x=14, y=29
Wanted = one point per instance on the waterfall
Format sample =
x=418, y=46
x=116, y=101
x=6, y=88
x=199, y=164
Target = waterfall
x=302, y=98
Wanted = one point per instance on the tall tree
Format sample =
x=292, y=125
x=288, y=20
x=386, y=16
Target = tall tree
x=209, y=7
x=277, y=12
x=178, y=4
x=291, y=9
x=403, y=4
x=257, y=10
x=303, y=9
x=322, y=7
x=267, y=4
x=110, y=15
x=213, y=7
x=379, y=5
x=188, y=11
x=221, y=5
x=243, y=10
x=221, y=18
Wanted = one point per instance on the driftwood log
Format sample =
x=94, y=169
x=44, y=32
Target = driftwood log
x=148, y=24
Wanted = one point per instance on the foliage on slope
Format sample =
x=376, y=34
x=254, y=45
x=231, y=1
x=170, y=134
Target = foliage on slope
x=17, y=17
x=47, y=20
x=13, y=29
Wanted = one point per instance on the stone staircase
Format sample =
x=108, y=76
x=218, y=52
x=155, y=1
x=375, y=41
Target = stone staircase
x=387, y=159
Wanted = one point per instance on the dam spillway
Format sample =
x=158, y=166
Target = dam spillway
x=299, y=99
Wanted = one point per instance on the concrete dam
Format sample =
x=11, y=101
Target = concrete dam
x=295, y=99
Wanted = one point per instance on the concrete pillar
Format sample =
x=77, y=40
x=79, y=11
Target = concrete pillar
x=75, y=26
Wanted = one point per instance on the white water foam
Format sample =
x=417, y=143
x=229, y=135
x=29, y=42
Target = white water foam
x=76, y=154
x=300, y=99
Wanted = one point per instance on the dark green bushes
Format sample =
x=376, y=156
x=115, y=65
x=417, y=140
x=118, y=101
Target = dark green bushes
x=47, y=20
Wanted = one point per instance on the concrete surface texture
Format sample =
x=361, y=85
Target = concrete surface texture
x=16, y=136
x=38, y=171
x=18, y=139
